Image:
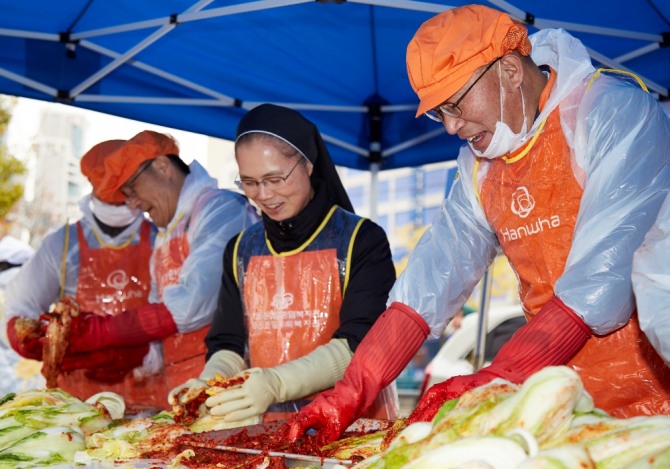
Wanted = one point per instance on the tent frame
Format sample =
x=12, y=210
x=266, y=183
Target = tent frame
x=164, y=25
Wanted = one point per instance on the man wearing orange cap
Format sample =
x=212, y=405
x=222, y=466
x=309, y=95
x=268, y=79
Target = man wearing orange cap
x=564, y=170
x=195, y=220
x=102, y=261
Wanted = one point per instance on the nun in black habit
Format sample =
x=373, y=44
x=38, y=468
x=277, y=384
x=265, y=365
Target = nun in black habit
x=302, y=287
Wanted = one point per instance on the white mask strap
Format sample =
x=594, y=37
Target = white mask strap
x=502, y=109
x=523, y=111
x=502, y=91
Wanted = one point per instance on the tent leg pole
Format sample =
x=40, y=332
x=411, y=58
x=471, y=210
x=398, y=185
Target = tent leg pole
x=482, y=326
x=374, y=187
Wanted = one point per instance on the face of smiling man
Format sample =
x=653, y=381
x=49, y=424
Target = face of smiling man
x=481, y=106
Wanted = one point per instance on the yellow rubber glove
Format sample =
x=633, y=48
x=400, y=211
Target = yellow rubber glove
x=296, y=379
x=223, y=362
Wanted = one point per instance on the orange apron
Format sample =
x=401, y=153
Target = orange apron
x=111, y=281
x=531, y=198
x=292, y=300
x=183, y=354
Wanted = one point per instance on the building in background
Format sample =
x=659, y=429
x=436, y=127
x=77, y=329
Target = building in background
x=407, y=199
x=56, y=152
x=54, y=183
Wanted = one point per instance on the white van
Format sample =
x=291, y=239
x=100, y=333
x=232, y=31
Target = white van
x=453, y=357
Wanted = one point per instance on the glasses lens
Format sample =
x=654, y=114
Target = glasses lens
x=433, y=115
x=451, y=110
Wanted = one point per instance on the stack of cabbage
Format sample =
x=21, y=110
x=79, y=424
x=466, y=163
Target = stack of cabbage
x=126, y=440
x=46, y=427
x=548, y=422
x=51, y=427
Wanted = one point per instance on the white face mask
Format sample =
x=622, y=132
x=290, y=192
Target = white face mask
x=504, y=140
x=113, y=215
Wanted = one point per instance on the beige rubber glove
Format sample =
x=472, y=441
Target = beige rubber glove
x=299, y=378
x=223, y=362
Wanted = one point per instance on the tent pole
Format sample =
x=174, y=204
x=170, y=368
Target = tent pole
x=374, y=187
x=374, y=104
x=482, y=325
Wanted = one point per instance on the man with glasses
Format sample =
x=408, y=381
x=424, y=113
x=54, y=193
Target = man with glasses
x=195, y=220
x=564, y=170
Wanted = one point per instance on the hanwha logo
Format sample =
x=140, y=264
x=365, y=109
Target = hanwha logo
x=522, y=202
x=282, y=300
x=117, y=279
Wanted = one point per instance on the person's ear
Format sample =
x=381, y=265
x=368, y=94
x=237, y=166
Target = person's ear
x=161, y=164
x=512, y=70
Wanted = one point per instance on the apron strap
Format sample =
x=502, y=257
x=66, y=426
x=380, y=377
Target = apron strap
x=63, y=274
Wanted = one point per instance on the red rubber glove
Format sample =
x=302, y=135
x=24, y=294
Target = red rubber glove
x=108, y=365
x=107, y=376
x=110, y=358
x=136, y=326
x=30, y=344
x=382, y=354
x=551, y=338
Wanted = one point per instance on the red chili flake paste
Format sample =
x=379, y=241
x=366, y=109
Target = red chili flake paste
x=206, y=458
x=225, y=383
x=203, y=444
x=188, y=413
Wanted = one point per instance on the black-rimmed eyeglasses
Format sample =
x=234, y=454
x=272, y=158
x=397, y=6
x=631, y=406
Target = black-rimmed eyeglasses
x=128, y=188
x=270, y=182
x=452, y=109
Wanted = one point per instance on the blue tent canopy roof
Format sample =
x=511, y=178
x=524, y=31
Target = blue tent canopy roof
x=198, y=66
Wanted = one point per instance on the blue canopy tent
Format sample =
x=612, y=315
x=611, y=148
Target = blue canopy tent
x=198, y=65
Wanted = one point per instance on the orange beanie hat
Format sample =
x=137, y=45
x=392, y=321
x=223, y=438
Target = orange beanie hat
x=448, y=48
x=128, y=157
x=92, y=166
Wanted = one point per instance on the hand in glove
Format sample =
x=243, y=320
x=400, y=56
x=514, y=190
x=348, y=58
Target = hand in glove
x=25, y=337
x=116, y=359
x=223, y=362
x=551, y=338
x=136, y=326
x=185, y=393
x=445, y=391
x=330, y=413
x=120, y=362
x=250, y=399
x=296, y=379
x=381, y=356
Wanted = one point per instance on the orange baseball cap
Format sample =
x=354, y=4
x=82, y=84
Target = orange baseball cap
x=127, y=158
x=92, y=166
x=448, y=48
